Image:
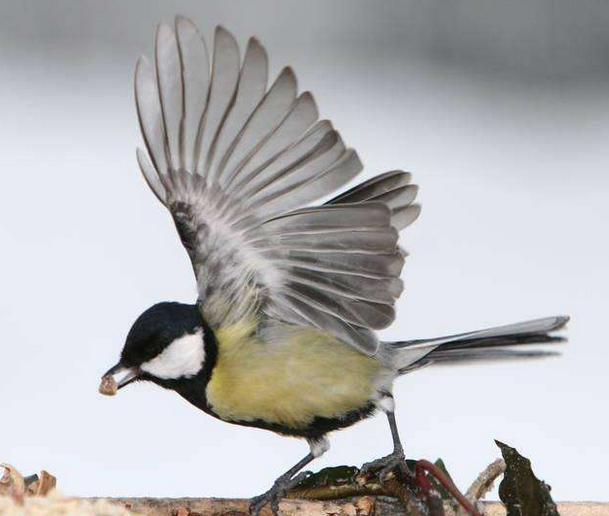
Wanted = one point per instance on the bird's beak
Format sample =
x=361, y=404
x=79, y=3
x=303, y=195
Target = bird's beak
x=110, y=385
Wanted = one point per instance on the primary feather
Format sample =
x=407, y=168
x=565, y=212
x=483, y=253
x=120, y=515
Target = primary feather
x=391, y=188
x=237, y=164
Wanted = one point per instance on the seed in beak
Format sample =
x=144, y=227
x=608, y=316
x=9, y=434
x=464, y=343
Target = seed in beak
x=108, y=386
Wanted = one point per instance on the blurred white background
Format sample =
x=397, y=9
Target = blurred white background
x=500, y=109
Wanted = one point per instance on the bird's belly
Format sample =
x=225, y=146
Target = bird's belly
x=291, y=384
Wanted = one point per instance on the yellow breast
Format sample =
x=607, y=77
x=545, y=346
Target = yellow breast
x=303, y=375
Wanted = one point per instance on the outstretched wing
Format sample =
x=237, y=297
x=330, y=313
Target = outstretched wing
x=237, y=162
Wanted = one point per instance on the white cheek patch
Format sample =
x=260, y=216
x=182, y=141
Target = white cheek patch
x=183, y=358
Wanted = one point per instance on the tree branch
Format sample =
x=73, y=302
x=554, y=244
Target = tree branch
x=363, y=506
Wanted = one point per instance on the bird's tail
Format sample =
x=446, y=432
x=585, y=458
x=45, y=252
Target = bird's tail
x=499, y=343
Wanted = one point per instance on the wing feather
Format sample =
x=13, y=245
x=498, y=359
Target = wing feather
x=225, y=74
x=384, y=290
x=398, y=197
x=349, y=311
x=404, y=216
x=250, y=91
x=238, y=165
x=150, y=175
x=149, y=114
x=376, y=266
x=169, y=78
x=195, y=79
x=378, y=185
x=251, y=179
x=373, y=215
x=310, y=189
x=329, y=151
x=391, y=188
x=266, y=118
x=300, y=312
x=302, y=115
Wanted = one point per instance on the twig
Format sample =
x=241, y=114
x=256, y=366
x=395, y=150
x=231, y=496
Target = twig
x=484, y=483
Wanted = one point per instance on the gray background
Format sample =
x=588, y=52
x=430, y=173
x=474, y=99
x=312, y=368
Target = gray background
x=501, y=110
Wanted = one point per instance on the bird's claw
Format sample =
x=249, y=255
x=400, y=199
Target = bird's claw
x=275, y=494
x=385, y=465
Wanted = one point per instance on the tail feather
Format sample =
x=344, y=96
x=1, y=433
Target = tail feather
x=499, y=343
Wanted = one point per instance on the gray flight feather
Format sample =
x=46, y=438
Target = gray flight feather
x=250, y=91
x=291, y=161
x=224, y=77
x=237, y=164
x=266, y=118
x=169, y=82
x=195, y=82
x=391, y=188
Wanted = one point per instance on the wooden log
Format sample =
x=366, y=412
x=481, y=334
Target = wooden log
x=363, y=506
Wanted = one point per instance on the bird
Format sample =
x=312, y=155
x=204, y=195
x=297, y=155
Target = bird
x=295, y=273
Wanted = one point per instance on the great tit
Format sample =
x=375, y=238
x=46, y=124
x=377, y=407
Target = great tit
x=290, y=294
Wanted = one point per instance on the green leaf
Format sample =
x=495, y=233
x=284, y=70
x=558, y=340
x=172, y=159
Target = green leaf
x=522, y=493
x=329, y=477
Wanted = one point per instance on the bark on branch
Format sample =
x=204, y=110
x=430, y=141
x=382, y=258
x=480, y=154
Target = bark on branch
x=363, y=506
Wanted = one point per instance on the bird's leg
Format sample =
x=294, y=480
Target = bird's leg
x=288, y=480
x=280, y=487
x=396, y=459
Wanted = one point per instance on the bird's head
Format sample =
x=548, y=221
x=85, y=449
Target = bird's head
x=165, y=344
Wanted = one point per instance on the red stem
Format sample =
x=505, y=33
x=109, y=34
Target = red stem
x=425, y=466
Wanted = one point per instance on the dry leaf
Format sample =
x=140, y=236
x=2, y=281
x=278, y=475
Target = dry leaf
x=365, y=506
x=12, y=483
x=46, y=483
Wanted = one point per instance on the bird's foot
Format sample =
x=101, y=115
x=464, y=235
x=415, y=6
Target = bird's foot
x=395, y=461
x=274, y=495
